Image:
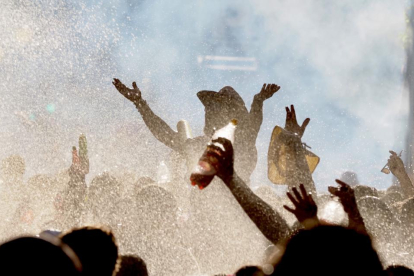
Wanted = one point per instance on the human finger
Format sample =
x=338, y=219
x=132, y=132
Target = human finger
x=393, y=153
x=343, y=184
x=311, y=198
x=294, y=201
x=289, y=209
x=333, y=190
x=303, y=190
x=292, y=110
x=305, y=124
x=295, y=191
x=288, y=113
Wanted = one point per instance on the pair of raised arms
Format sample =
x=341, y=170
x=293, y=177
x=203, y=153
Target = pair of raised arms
x=267, y=91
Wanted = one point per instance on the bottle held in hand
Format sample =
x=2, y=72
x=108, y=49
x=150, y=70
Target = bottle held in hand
x=205, y=170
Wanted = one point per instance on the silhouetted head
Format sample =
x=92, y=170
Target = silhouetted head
x=329, y=250
x=349, y=177
x=35, y=256
x=363, y=191
x=142, y=183
x=407, y=212
x=96, y=249
x=395, y=188
x=221, y=107
x=13, y=168
x=249, y=271
x=132, y=265
x=105, y=187
x=156, y=207
x=392, y=198
x=398, y=270
x=378, y=218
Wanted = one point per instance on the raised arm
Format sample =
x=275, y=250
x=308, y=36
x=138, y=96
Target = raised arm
x=83, y=154
x=256, y=110
x=299, y=173
x=269, y=222
x=397, y=168
x=306, y=209
x=155, y=124
x=346, y=196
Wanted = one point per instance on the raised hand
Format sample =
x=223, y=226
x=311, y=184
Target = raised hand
x=346, y=196
x=305, y=206
x=133, y=95
x=292, y=123
x=395, y=164
x=268, y=91
x=225, y=159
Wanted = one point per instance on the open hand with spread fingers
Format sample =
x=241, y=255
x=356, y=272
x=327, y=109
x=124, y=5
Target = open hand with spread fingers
x=292, y=123
x=268, y=90
x=395, y=163
x=345, y=194
x=133, y=95
x=306, y=208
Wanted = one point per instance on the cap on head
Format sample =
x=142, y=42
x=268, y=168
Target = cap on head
x=226, y=97
x=221, y=107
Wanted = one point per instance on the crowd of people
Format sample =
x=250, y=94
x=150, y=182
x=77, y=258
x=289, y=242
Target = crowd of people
x=125, y=225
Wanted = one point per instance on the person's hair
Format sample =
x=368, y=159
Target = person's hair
x=363, y=191
x=96, y=248
x=132, y=265
x=37, y=256
x=392, y=198
x=13, y=165
x=378, y=218
x=249, y=271
x=349, y=177
x=399, y=270
x=407, y=214
x=329, y=250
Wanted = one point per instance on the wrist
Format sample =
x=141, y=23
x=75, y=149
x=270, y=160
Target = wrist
x=139, y=103
x=258, y=97
x=228, y=178
x=310, y=223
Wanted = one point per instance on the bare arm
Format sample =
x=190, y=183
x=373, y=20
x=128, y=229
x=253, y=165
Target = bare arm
x=155, y=124
x=397, y=168
x=306, y=209
x=299, y=173
x=269, y=222
x=256, y=110
x=346, y=196
x=83, y=154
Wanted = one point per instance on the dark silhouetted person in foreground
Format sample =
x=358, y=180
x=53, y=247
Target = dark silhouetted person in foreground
x=35, y=256
x=220, y=108
x=322, y=250
x=329, y=250
x=132, y=265
x=397, y=270
x=96, y=249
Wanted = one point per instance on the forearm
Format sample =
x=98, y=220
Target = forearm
x=256, y=114
x=299, y=173
x=269, y=222
x=405, y=183
x=161, y=131
x=356, y=222
x=85, y=165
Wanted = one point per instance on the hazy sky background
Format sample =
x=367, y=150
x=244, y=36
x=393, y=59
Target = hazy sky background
x=340, y=62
